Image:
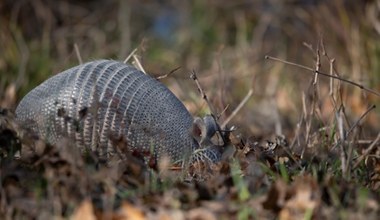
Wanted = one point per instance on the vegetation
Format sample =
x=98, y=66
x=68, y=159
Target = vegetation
x=305, y=146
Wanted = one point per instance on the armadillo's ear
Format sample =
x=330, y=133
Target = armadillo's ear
x=198, y=129
x=211, y=126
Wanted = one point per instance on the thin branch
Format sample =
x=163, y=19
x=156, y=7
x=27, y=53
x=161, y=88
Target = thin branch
x=77, y=52
x=360, y=119
x=324, y=52
x=130, y=55
x=237, y=109
x=194, y=77
x=309, y=46
x=297, y=132
x=341, y=143
x=350, y=150
x=137, y=63
x=224, y=110
x=317, y=67
x=167, y=74
x=324, y=74
x=367, y=151
x=331, y=92
x=294, y=159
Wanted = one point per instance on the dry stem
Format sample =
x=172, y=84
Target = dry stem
x=77, y=52
x=325, y=74
x=360, y=119
x=168, y=74
x=194, y=77
x=237, y=109
x=130, y=55
x=367, y=151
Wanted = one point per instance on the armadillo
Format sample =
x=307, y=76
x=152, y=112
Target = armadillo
x=95, y=101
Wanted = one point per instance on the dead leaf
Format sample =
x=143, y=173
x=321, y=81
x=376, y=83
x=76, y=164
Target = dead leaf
x=84, y=212
x=276, y=196
x=304, y=198
x=128, y=211
x=201, y=214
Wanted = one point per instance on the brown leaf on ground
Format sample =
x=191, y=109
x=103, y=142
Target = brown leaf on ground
x=276, y=196
x=201, y=214
x=303, y=199
x=85, y=211
x=128, y=211
x=296, y=201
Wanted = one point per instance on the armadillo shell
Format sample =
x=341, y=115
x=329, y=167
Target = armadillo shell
x=105, y=100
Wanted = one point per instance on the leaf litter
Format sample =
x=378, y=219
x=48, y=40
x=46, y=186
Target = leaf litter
x=260, y=180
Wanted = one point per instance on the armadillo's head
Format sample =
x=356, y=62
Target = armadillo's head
x=206, y=132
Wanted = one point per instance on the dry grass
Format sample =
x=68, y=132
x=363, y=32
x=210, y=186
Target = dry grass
x=305, y=147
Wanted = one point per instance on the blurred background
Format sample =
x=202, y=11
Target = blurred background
x=225, y=42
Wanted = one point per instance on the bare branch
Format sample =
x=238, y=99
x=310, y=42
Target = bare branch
x=130, y=55
x=194, y=77
x=137, y=63
x=367, y=151
x=237, y=109
x=341, y=143
x=317, y=67
x=221, y=113
x=167, y=74
x=309, y=46
x=325, y=74
x=360, y=119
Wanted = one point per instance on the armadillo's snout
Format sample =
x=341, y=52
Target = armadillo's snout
x=207, y=133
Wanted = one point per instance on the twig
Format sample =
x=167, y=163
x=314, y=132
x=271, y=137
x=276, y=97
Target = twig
x=333, y=71
x=77, y=52
x=130, y=55
x=222, y=112
x=360, y=119
x=341, y=143
x=324, y=53
x=222, y=79
x=350, y=150
x=331, y=93
x=297, y=133
x=194, y=77
x=367, y=151
x=237, y=109
x=137, y=63
x=317, y=67
x=305, y=121
x=167, y=74
x=290, y=155
x=309, y=46
x=364, y=141
x=324, y=74
x=313, y=100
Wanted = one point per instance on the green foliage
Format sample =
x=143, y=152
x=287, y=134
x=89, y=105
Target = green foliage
x=238, y=179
